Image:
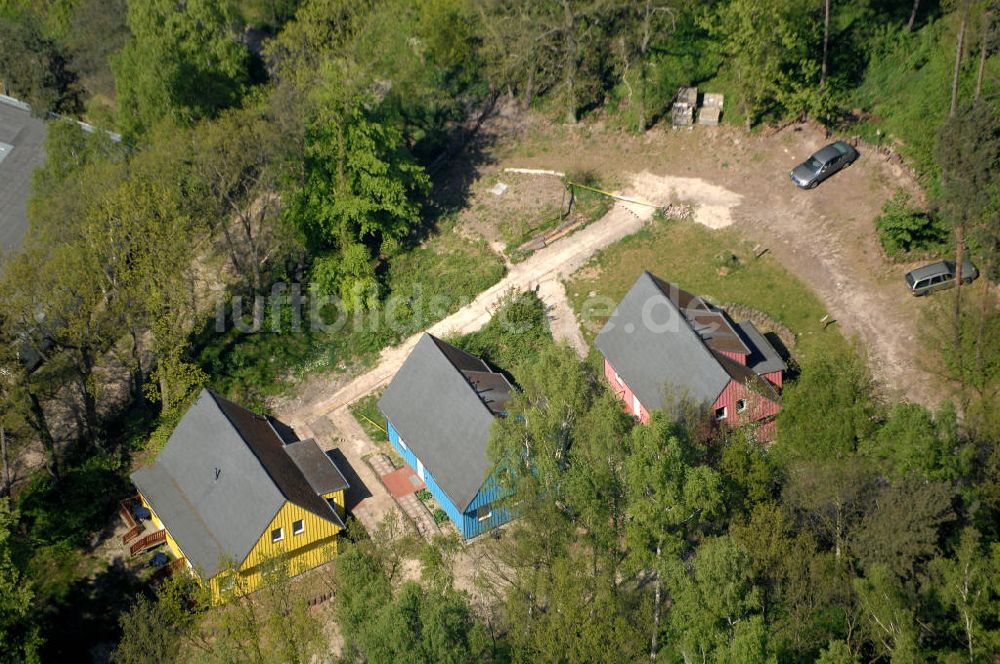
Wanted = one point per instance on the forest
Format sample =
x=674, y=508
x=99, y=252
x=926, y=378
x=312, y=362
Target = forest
x=316, y=143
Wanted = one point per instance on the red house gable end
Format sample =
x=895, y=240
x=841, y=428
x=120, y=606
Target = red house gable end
x=755, y=406
x=624, y=392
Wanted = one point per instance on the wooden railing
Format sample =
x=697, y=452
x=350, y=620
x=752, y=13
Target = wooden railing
x=167, y=570
x=125, y=508
x=147, y=542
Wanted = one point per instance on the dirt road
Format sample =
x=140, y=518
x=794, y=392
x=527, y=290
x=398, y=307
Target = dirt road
x=328, y=419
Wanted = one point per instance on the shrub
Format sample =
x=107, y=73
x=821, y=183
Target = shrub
x=903, y=229
x=514, y=335
x=440, y=516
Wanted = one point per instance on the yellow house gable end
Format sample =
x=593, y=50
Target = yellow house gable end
x=315, y=545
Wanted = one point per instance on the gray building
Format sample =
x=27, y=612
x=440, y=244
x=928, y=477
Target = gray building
x=22, y=137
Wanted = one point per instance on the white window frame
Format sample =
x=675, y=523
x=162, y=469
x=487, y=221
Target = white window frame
x=401, y=443
x=301, y=523
x=485, y=517
x=741, y=405
x=636, y=406
x=281, y=535
x=725, y=413
x=618, y=379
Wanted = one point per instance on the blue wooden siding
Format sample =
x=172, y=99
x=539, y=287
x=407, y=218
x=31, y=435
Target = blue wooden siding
x=467, y=523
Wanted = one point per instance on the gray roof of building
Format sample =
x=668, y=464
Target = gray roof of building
x=25, y=136
x=319, y=470
x=220, y=480
x=650, y=344
x=664, y=341
x=442, y=403
x=763, y=357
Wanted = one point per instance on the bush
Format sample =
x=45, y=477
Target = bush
x=903, y=229
x=440, y=516
x=514, y=335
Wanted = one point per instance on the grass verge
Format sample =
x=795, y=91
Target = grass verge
x=717, y=264
x=366, y=412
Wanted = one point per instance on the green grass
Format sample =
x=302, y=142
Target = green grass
x=366, y=412
x=425, y=284
x=719, y=265
x=588, y=207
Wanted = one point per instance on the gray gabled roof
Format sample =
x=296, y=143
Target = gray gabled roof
x=22, y=140
x=442, y=402
x=763, y=357
x=221, y=479
x=651, y=345
x=319, y=470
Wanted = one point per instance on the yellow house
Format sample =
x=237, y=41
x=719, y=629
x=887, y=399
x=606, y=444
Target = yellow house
x=236, y=492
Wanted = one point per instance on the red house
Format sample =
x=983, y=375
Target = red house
x=663, y=345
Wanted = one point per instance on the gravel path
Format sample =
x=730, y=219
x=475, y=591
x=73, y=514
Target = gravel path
x=550, y=264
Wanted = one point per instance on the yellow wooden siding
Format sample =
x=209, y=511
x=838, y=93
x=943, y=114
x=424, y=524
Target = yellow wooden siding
x=316, y=529
x=338, y=498
x=316, y=545
x=171, y=543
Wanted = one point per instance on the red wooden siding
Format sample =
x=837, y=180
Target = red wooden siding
x=624, y=393
x=732, y=355
x=758, y=407
x=774, y=377
x=766, y=431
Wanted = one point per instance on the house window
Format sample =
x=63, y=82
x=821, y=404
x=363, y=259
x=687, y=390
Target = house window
x=720, y=413
x=618, y=379
x=277, y=534
x=636, y=406
x=402, y=444
x=298, y=527
x=483, y=513
x=741, y=405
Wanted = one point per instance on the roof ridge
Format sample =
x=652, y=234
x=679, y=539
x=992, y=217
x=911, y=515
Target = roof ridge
x=703, y=344
x=438, y=342
x=267, y=471
x=216, y=397
x=461, y=372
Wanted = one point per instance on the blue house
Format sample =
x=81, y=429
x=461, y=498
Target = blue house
x=439, y=408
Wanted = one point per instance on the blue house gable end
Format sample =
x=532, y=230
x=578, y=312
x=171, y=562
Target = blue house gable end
x=489, y=495
x=467, y=523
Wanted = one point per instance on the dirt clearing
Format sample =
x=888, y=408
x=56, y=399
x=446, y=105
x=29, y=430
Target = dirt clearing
x=825, y=236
